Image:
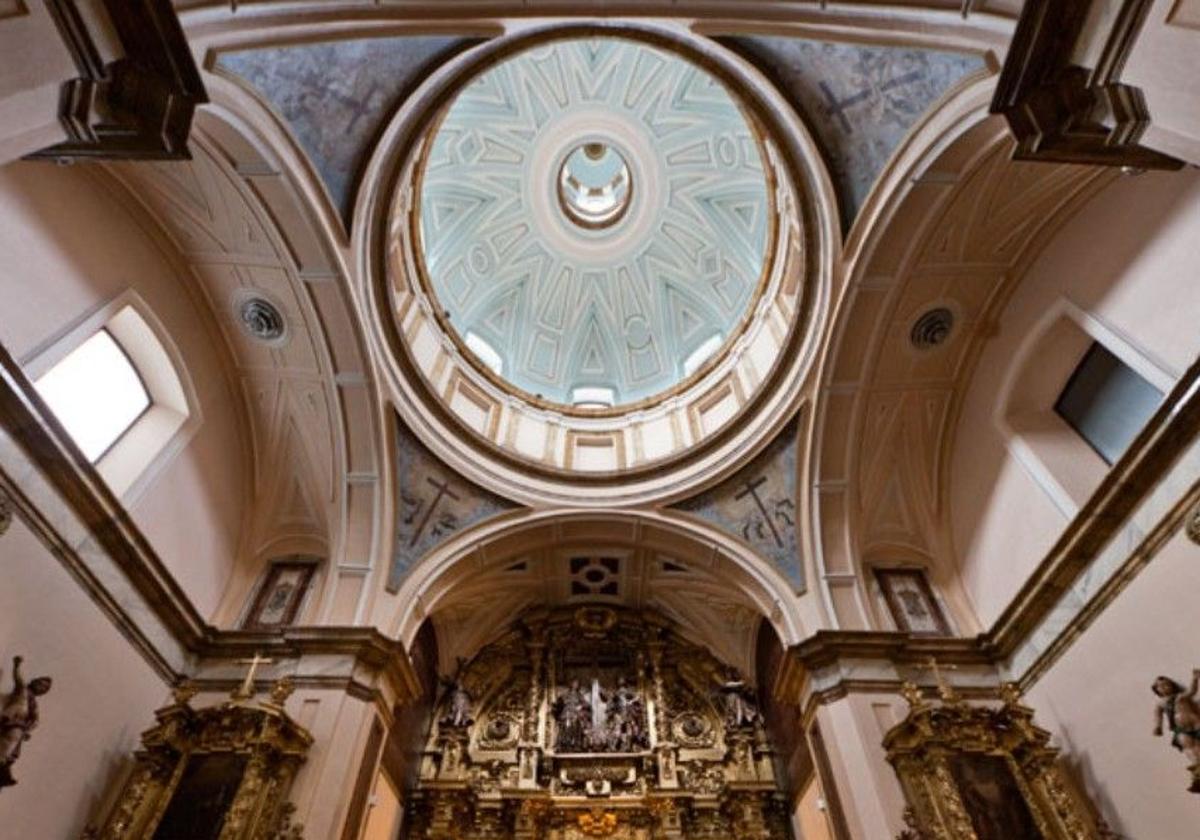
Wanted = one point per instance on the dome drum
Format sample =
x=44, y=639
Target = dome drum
x=599, y=293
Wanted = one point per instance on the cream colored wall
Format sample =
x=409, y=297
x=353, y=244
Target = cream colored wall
x=102, y=697
x=1126, y=268
x=1098, y=703
x=1164, y=64
x=33, y=65
x=809, y=821
x=66, y=248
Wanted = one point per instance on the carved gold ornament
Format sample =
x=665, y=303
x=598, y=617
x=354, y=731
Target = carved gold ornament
x=256, y=743
x=598, y=823
x=970, y=772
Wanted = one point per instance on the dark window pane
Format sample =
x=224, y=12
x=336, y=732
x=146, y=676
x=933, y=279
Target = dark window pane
x=1107, y=402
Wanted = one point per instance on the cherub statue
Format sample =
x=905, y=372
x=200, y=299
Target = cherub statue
x=1183, y=717
x=18, y=718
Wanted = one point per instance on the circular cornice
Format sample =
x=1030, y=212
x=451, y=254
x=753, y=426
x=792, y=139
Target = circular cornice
x=711, y=427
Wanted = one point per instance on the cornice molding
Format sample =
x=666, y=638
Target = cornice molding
x=1062, y=112
x=137, y=106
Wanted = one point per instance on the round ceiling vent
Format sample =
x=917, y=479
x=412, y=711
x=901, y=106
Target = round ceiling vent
x=261, y=319
x=932, y=329
x=594, y=186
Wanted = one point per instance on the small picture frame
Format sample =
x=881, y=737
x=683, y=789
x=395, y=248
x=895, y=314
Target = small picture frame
x=278, y=600
x=911, y=601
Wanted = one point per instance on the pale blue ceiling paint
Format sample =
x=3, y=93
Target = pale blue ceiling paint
x=621, y=307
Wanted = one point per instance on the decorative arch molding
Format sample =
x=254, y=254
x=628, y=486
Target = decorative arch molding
x=759, y=411
x=952, y=222
x=434, y=581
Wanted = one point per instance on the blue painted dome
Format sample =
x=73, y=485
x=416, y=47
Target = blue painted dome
x=595, y=220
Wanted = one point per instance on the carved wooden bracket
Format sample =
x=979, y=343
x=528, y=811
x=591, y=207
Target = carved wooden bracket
x=137, y=106
x=1064, y=113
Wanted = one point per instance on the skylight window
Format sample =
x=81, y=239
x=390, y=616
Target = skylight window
x=701, y=354
x=485, y=352
x=592, y=396
x=96, y=393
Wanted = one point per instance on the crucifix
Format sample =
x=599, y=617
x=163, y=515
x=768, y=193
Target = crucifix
x=945, y=690
x=751, y=490
x=443, y=489
x=246, y=690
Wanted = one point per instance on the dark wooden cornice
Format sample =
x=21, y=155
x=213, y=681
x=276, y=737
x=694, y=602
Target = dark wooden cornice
x=137, y=106
x=1064, y=113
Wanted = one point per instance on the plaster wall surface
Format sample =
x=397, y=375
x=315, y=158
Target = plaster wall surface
x=102, y=697
x=67, y=248
x=1123, y=272
x=1098, y=703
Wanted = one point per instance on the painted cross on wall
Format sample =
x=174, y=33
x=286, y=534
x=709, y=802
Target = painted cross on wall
x=435, y=504
x=758, y=506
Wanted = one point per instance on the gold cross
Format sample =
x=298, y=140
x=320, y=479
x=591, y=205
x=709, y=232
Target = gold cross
x=246, y=691
x=945, y=690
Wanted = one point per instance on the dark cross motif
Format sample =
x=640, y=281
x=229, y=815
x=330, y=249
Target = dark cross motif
x=837, y=108
x=443, y=489
x=751, y=490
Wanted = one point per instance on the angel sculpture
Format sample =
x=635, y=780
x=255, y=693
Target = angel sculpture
x=18, y=718
x=1179, y=706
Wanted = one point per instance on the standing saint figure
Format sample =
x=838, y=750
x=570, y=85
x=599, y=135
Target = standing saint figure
x=739, y=708
x=627, y=721
x=458, y=709
x=1182, y=712
x=573, y=714
x=18, y=718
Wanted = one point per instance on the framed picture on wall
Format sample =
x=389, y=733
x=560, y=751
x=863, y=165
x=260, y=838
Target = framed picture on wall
x=282, y=592
x=911, y=602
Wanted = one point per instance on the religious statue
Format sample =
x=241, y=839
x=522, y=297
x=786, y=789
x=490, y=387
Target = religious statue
x=740, y=709
x=1183, y=717
x=18, y=718
x=458, y=712
x=573, y=713
x=626, y=723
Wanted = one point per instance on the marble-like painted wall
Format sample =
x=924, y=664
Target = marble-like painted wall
x=859, y=101
x=336, y=96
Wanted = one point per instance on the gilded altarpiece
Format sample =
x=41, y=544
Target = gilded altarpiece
x=983, y=772
x=597, y=722
x=221, y=772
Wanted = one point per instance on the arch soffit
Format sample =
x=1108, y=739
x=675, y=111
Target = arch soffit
x=432, y=583
x=244, y=214
x=952, y=208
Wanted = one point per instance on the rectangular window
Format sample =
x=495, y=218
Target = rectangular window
x=1107, y=402
x=96, y=393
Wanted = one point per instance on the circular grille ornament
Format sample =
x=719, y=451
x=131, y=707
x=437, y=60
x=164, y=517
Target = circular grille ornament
x=932, y=329
x=261, y=319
